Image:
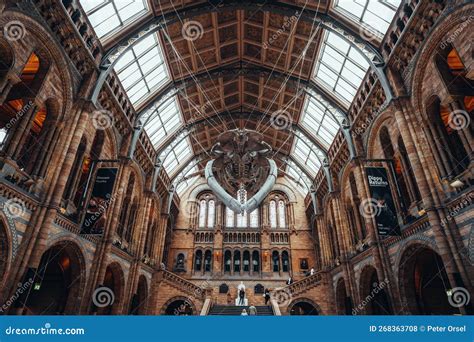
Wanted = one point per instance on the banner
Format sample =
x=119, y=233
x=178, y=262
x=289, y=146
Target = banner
x=223, y=328
x=381, y=202
x=101, y=198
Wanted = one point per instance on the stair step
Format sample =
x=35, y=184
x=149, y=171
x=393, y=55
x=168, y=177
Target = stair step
x=237, y=310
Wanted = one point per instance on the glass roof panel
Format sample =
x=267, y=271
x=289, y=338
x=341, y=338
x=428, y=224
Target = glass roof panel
x=299, y=176
x=187, y=182
x=376, y=15
x=318, y=121
x=142, y=69
x=305, y=153
x=340, y=67
x=177, y=156
x=163, y=121
x=109, y=17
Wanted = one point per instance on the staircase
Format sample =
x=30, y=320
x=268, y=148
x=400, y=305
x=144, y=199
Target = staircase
x=232, y=310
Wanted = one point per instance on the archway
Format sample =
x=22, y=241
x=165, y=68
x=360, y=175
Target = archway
x=178, y=306
x=373, y=293
x=114, y=281
x=343, y=301
x=303, y=307
x=424, y=282
x=138, y=305
x=58, y=282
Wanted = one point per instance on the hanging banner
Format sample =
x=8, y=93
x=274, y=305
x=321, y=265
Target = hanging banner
x=101, y=198
x=383, y=206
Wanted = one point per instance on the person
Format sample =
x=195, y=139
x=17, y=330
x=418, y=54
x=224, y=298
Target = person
x=312, y=271
x=229, y=298
x=252, y=311
x=289, y=281
x=244, y=313
x=241, y=296
x=266, y=294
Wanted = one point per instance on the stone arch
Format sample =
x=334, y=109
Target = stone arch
x=343, y=301
x=64, y=259
x=184, y=306
x=375, y=300
x=139, y=305
x=285, y=189
x=114, y=279
x=440, y=33
x=423, y=281
x=55, y=53
x=197, y=190
x=372, y=139
x=306, y=302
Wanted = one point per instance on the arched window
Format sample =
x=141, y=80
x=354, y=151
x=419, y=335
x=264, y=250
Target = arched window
x=254, y=219
x=202, y=213
x=276, y=261
x=246, y=261
x=207, y=261
x=236, y=261
x=273, y=214
x=207, y=212
x=285, y=260
x=211, y=213
x=256, y=261
x=281, y=214
x=227, y=261
x=277, y=212
x=242, y=220
x=198, y=261
x=229, y=217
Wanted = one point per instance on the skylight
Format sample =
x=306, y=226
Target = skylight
x=163, y=121
x=186, y=183
x=374, y=14
x=340, y=67
x=142, y=69
x=299, y=177
x=108, y=16
x=305, y=153
x=318, y=121
x=177, y=156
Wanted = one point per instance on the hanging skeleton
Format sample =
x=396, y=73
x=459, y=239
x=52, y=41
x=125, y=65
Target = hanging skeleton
x=241, y=166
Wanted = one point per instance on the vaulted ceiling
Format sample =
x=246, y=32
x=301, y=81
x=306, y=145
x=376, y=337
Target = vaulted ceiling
x=194, y=69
